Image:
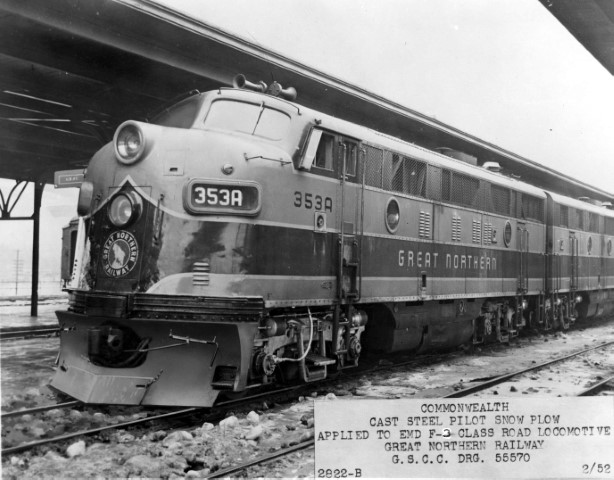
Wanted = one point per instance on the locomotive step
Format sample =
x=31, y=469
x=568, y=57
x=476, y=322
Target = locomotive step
x=319, y=361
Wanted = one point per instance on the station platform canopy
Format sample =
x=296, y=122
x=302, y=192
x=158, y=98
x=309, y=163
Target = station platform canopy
x=591, y=22
x=72, y=70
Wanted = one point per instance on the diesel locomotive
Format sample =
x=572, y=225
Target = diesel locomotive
x=239, y=239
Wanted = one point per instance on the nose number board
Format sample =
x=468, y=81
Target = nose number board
x=214, y=196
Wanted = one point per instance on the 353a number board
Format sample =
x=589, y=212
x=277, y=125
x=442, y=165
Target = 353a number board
x=214, y=196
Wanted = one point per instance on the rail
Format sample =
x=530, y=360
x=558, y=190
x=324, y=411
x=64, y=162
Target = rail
x=45, y=408
x=503, y=378
x=226, y=472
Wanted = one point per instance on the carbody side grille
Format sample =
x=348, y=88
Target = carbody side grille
x=456, y=229
x=163, y=306
x=425, y=224
x=200, y=274
x=197, y=305
x=477, y=231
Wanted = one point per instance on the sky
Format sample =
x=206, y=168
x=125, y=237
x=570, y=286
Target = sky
x=58, y=207
x=505, y=71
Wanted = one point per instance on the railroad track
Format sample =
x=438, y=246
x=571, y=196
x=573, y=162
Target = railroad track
x=214, y=414
x=218, y=412
x=45, y=408
x=606, y=385
x=508, y=376
x=227, y=472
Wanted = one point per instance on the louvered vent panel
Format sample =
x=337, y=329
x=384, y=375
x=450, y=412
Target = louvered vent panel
x=373, y=166
x=456, y=229
x=532, y=207
x=464, y=189
x=501, y=199
x=563, y=216
x=487, y=233
x=200, y=274
x=425, y=225
x=477, y=231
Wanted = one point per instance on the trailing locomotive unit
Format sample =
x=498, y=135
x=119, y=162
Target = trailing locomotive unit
x=241, y=239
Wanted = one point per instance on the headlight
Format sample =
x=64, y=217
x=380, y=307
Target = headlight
x=129, y=143
x=124, y=208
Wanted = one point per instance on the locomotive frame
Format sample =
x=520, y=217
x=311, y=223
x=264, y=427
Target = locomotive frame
x=246, y=240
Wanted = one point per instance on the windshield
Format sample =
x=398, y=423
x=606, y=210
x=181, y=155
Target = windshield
x=250, y=118
x=180, y=115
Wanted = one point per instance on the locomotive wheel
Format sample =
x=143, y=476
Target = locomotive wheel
x=355, y=348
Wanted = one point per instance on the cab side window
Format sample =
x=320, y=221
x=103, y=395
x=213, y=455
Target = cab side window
x=325, y=153
x=350, y=150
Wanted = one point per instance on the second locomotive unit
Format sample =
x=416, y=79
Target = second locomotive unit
x=240, y=239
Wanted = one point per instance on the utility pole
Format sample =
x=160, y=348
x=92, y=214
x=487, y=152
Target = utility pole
x=18, y=265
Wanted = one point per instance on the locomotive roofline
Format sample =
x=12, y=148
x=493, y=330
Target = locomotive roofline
x=367, y=135
x=579, y=204
x=324, y=122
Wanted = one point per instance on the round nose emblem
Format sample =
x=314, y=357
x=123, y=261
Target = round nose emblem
x=119, y=254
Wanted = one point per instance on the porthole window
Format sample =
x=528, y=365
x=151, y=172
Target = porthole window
x=507, y=234
x=589, y=244
x=393, y=215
